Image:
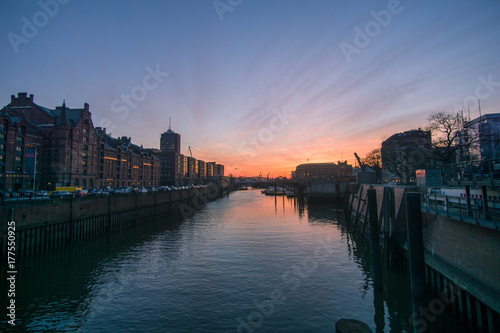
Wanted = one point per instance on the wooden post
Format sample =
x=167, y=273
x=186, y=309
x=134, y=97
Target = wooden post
x=467, y=196
x=375, y=240
x=484, y=192
x=416, y=256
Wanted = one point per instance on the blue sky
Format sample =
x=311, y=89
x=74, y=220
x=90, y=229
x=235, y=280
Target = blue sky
x=260, y=86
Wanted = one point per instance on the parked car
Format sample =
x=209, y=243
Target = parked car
x=42, y=193
x=118, y=191
x=94, y=193
x=11, y=194
x=25, y=193
x=80, y=193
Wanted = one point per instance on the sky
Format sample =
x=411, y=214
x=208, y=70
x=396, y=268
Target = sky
x=260, y=86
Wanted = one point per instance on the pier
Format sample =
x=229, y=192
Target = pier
x=461, y=248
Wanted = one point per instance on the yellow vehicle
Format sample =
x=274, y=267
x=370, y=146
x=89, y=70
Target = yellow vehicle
x=68, y=188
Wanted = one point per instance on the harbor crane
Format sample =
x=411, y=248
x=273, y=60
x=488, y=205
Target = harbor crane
x=361, y=165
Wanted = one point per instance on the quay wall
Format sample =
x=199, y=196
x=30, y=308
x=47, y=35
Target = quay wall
x=468, y=253
x=462, y=260
x=43, y=224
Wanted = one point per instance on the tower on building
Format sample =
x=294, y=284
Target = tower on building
x=170, y=141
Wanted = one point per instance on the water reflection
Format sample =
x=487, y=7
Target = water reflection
x=267, y=264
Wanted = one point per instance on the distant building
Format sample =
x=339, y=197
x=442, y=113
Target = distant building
x=403, y=153
x=69, y=151
x=177, y=169
x=170, y=142
x=326, y=171
x=218, y=169
x=122, y=163
x=20, y=141
x=484, y=135
x=202, y=169
x=67, y=154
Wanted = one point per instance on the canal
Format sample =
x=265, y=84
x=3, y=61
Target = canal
x=244, y=263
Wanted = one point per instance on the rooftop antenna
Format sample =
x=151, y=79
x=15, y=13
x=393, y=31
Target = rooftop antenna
x=468, y=107
x=169, y=123
x=479, y=103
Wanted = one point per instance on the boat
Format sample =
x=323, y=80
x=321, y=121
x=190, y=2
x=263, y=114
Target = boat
x=271, y=190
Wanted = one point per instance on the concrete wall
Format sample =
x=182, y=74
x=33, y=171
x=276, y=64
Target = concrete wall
x=469, y=254
x=32, y=213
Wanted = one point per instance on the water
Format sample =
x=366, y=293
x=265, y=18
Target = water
x=245, y=263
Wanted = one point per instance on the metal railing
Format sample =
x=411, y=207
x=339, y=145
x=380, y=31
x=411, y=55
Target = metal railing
x=473, y=210
x=485, y=172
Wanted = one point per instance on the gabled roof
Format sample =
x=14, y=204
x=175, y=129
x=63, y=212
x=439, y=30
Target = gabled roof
x=31, y=126
x=72, y=118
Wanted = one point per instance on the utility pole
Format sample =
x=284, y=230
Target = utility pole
x=34, y=174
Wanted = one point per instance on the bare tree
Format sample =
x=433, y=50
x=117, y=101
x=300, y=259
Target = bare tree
x=449, y=137
x=405, y=160
x=374, y=160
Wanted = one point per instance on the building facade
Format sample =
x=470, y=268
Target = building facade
x=480, y=139
x=178, y=169
x=122, y=163
x=403, y=153
x=170, y=142
x=68, y=150
x=324, y=171
x=21, y=145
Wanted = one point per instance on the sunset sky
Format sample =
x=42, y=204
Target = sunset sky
x=259, y=86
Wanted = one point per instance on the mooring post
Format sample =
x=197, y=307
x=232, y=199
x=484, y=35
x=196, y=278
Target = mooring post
x=136, y=209
x=386, y=207
x=416, y=258
x=375, y=240
x=71, y=221
x=109, y=214
x=484, y=192
x=467, y=198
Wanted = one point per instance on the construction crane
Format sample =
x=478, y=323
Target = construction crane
x=190, y=153
x=361, y=165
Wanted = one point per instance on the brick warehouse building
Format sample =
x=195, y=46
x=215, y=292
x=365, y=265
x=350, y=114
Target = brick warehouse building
x=177, y=169
x=68, y=149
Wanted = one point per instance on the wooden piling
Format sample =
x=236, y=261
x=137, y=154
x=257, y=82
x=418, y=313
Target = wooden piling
x=416, y=255
x=375, y=240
